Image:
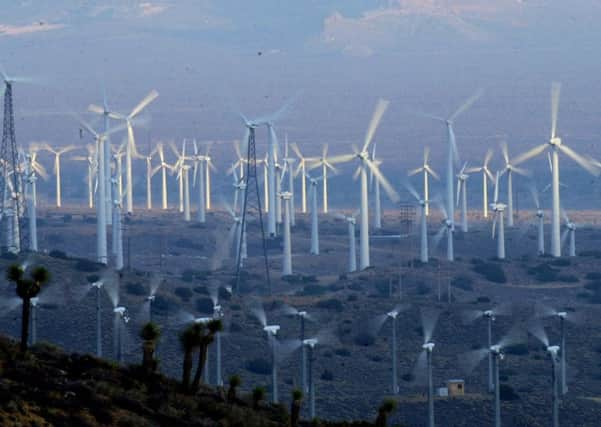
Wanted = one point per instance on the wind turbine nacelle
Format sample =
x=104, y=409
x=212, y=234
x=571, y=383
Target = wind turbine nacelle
x=150, y=298
x=393, y=314
x=490, y=314
x=34, y=301
x=119, y=310
x=429, y=346
x=539, y=213
x=555, y=141
x=561, y=314
x=311, y=342
x=553, y=350
x=302, y=314
x=217, y=311
x=202, y=320
x=97, y=284
x=272, y=329
x=496, y=349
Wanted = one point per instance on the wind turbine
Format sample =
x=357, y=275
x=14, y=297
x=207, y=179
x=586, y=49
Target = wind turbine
x=376, y=190
x=287, y=249
x=424, y=361
x=90, y=160
x=490, y=315
x=462, y=177
x=271, y=331
x=150, y=171
x=302, y=169
x=288, y=161
x=510, y=168
x=177, y=168
x=538, y=331
x=569, y=232
x=302, y=316
x=351, y=221
x=199, y=174
x=236, y=234
x=314, y=220
x=131, y=149
x=101, y=250
x=542, y=311
x=556, y=145
x=366, y=164
x=486, y=175
x=453, y=155
x=117, y=228
x=184, y=174
x=498, y=209
x=107, y=114
x=57, y=166
x=445, y=228
x=30, y=198
x=120, y=321
x=118, y=154
x=423, y=253
x=324, y=163
x=218, y=314
x=427, y=170
x=540, y=220
x=163, y=166
x=208, y=168
x=495, y=355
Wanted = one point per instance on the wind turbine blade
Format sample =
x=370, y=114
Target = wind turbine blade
x=469, y=361
x=86, y=126
x=324, y=151
x=420, y=374
x=564, y=237
x=496, y=197
x=381, y=107
x=471, y=316
x=414, y=171
x=505, y=152
x=458, y=191
x=494, y=225
x=521, y=171
x=296, y=150
x=538, y=331
x=429, y=320
x=529, y=154
x=584, y=163
x=341, y=159
x=467, y=104
x=432, y=172
x=555, y=93
x=95, y=109
x=487, y=157
x=411, y=189
x=147, y=100
x=392, y=194
x=426, y=155
x=534, y=193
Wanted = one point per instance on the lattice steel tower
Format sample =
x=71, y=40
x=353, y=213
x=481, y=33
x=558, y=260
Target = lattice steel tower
x=252, y=203
x=10, y=177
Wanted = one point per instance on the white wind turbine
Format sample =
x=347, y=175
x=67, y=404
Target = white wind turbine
x=376, y=189
x=36, y=167
x=131, y=150
x=499, y=210
x=486, y=175
x=177, y=168
x=423, y=253
x=445, y=228
x=237, y=237
x=287, y=243
x=324, y=163
x=366, y=164
x=302, y=169
x=209, y=166
x=163, y=167
x=101, y=250
x=239, y=187
x=57, y=167
x=556, y=145
x=351, y=221
x=90, y=160
x=462, y=178
x=314, y=219
x=510, y=168
x=540, y=216
x=453, y=156
x=427, y=171
x=198, y=174
x=117, y=228
x=184, y=175
x=288, y=161
x=569, y=232
x=118, y=154
x=30, y=195
x=150, y=171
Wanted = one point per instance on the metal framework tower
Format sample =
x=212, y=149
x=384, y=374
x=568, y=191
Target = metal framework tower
x=251, y=188
x=10, y=178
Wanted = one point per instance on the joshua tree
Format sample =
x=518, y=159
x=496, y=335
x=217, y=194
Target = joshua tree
x=233, y=390
x=189, y=342
x=295, y=407
x=27, y=288
x=205, y=335
x=150, y=334
x=384, y=411
x=258, y=396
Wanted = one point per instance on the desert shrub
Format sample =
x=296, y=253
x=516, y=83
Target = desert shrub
x=327, y=375
x=593, y=285
x=567, y=278
x=408, y=377
x=463, y=282
x=342, y=352
x=591, y=253
x=335, y=287
x=517, y=349
x=188, y=244
x=561, y=262
x=235, y=307
x=506, y=393
x=55, y=239
x=491, y=271
x=204, y=305
x=383, y=287
x=544, y=273
x=483, y=299
x=184, y=293
x=161, y=304
x=224, y=295
x=352, y=297
x=310, y=279
x=258, y=366
x=355, y=286
x=312, y=290
x=188, y=275
x=364, y=339
x=87, y=266
x=135, y=288
x=331, y=304
x=595, y=297
x=92, y=278
x=8, y=256
x=202, y=290
x=593, y=275
x=422, y=289
x=235, y=327
x=55, y=253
